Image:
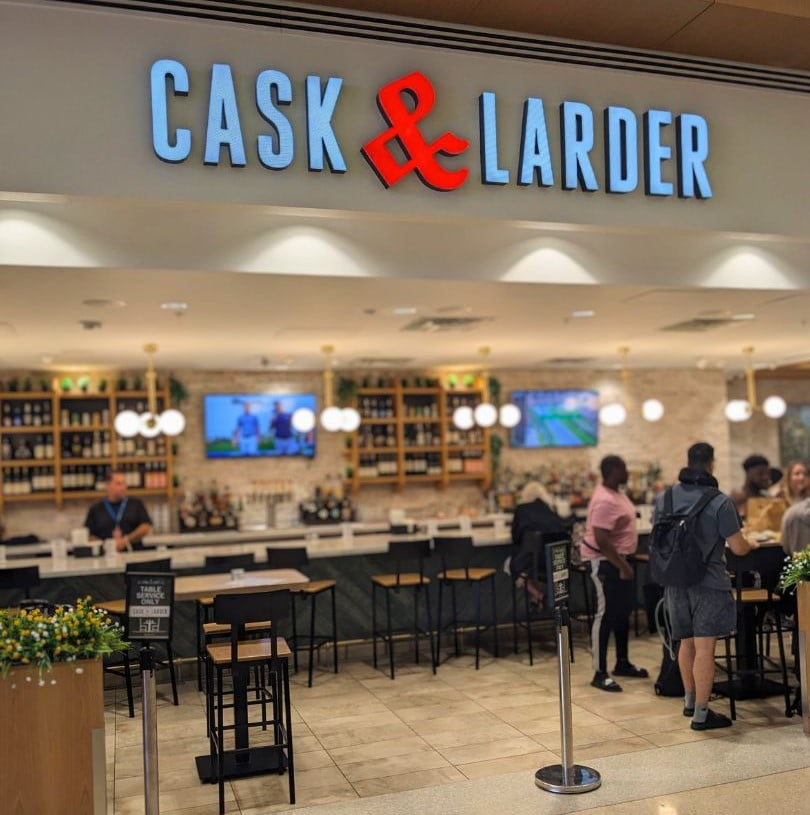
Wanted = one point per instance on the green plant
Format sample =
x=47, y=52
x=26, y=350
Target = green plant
x=13, y=384
x=795, y=571
x=469, y=380
x=44, y=386
x=83, y=383
x=137, y=384
x=102, y=385
x=121, y=384
x=452, y=380
x=495, y=390
x=32, y=638
x=178, y=393
x=28, y=384
x=346, y=391
x=495, y=445
x=66, y=384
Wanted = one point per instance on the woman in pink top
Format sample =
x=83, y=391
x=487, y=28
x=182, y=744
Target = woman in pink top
x=610, y=535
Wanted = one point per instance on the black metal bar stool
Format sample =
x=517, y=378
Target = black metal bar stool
x=22, y=578
x=215, y=564
x=455, y=551
x=237, y=657
x=403, y=552
x=296, y=558
x=529, y=562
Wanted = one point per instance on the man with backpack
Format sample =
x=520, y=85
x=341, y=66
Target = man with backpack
x=693, y=523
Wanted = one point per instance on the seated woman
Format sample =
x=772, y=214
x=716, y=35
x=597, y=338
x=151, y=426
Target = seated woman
x=795, y=485
x=533, y=514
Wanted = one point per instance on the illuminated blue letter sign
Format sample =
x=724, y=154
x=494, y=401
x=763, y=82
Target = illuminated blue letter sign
x=621, y=150
x=693, y=150
x=162, y=70
x=321, y=141
x=576, y=128
x=656, y=153
x=535, y=156
x=491, y=173
x=275, y=153
x=224, y=129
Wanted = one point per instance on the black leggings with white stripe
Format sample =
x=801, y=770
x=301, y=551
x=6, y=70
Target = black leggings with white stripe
x=614, y=604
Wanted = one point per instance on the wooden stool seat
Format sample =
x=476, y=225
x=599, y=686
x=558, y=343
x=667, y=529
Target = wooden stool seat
x=249, y=651
x=222, y=629
x=466, y=574
x=641, y=557
x=314, y=587
x=758, y=596
x=206, y=601
x=389, y=581
x=114, y=607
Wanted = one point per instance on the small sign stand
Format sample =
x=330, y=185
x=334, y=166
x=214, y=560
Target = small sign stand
x=150, y=599
x=565, y=777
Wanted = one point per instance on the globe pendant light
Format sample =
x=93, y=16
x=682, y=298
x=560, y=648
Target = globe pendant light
x=614, y=414
x=170, y=422
x=652, y=410
x=333, y=419
x=740, y=410
x=303, y=420
x=485, y=414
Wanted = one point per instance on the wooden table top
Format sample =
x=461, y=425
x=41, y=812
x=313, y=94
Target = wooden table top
x=207, y=585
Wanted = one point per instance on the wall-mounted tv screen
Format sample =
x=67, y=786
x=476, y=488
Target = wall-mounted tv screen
x=556, y=419
x=251, y=425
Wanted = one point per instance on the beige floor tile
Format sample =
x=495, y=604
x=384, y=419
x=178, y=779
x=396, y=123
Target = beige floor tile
x=645, y=725
x=485, y=751
x=611, y=747
x=583, y=736
x=511, y=764
x=353, y=735
x=182, y=778
x=379, y=749
x=672, y=737
x=316, y=796
x=472, y=735
x=313, y=760
x=463, y=708
x=201, y=795
x=206, y=809
x=359, y=721
x=507, y=700
x=447, y=723
x=393, y=765
x=408, y=781
x=272, y=790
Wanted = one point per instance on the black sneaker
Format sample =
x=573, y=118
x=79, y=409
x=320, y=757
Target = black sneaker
x=604, y=682
x=628, y=669
x=689, y=711
x=713, y=721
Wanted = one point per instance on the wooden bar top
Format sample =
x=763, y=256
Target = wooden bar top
x=207, y=585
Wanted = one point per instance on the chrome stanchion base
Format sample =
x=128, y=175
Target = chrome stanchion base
x=580, y=779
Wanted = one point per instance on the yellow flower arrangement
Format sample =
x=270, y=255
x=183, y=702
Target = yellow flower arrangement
x=796, y=570
x=70, y=633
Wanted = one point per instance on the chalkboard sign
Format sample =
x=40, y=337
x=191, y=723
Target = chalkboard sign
x=150, y=599
x=557, y=571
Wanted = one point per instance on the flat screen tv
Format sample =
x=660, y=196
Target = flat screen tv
x=567, y=418
x=256, y=425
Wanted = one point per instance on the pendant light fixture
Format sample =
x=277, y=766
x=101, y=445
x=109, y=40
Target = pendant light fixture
x=150, y=423
x=332, y=419
x=485, y=414
x=614, y=413
x=740, y=410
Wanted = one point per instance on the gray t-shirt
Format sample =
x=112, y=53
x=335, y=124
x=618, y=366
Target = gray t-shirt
x=718, y=522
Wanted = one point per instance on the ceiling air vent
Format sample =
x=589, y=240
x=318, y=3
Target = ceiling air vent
x=699, y=324
x=431, y=324
x=381, y=362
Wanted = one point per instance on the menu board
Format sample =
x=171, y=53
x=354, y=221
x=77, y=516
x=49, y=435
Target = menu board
x=557, y=575
x=150, y=598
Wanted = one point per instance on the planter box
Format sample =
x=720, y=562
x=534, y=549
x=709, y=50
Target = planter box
x=52, y=754
x=803, y=600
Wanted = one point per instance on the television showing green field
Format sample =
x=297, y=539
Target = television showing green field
x=567, y=418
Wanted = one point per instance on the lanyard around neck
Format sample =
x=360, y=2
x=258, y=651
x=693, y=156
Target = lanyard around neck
x=116, y=516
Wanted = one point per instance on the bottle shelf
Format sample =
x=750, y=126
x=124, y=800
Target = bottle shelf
x=389, y=420
x=27, y=462
x=31, y=496
x=79, y=461
x=86, y=428
x=422, y=420
x=422, y=448
x=31, y=396
x=31, y=429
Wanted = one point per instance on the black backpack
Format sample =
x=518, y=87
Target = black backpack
x=669, y=682
x=676, y=558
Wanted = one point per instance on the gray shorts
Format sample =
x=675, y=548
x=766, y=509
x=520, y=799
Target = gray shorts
x=695, y=611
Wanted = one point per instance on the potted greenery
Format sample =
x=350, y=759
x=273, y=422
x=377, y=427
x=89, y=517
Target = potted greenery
x=84, y=383
x=102, y=386
x=121, y=384
x=13, y=384
x=66, y=384
x=44, y=386
x=52, y=699
x=28, y=384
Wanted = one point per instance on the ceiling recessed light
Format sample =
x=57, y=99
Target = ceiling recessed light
x=404, y=310
x=744, y=316
x=103, y=302
x=583, y=313
x=47, y=360
x=174, y=305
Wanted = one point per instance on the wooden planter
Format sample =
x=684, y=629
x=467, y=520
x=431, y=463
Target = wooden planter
x=803, y=598
x=52, y=755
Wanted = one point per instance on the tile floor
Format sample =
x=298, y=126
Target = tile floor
x=459, y=734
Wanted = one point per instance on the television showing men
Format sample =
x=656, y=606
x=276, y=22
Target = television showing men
x=256, y=425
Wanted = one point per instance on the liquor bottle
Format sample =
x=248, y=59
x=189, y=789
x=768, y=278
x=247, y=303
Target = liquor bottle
x=16, y=416
x=39, y=448
x=97, y=450
x=36, y=414
x=49, y=451
x=27, y=418
x=106, y=450
x=7, y=419
x=47, y=419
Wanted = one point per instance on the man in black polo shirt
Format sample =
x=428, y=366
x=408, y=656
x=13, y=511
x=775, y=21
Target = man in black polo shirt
x=118, y=516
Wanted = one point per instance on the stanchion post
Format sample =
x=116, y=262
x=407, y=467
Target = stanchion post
x=565, y=777
x=151, y=785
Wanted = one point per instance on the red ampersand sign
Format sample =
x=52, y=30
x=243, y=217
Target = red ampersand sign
x=403, y=127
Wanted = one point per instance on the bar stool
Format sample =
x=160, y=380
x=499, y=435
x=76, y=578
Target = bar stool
x=403, y=552
x=296, y=558
x=459, y=551
x=25, y=578
x=128, y=660
x=215, y=564
x=530, y=560
x=237, y=656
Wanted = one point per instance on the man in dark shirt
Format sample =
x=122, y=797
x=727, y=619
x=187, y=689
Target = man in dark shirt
x=282, y=432
x=118, y=516
x=757, y=480
x=700, y=614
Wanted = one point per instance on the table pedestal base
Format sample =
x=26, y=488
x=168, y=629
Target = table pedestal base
x=260, y=761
